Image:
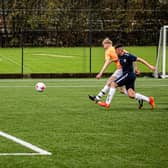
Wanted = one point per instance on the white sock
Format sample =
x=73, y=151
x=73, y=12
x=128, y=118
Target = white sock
x=103, y=92
x=110, y=95
x=125, y=92
x=139, y=96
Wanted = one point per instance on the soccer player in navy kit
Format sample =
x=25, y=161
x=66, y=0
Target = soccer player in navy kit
x=128, y=78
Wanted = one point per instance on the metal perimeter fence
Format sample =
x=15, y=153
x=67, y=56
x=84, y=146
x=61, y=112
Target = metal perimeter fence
x=65, y=40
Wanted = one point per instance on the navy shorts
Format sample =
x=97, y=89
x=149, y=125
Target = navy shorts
x=127, y=79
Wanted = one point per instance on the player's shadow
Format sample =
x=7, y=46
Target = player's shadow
x=132, y=109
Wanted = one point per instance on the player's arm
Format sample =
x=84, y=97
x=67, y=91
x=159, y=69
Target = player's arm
x=125, y=51
x=137, y=71
x=146, y=63
x=106, y=64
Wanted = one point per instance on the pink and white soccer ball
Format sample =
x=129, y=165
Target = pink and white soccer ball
x=40, y=86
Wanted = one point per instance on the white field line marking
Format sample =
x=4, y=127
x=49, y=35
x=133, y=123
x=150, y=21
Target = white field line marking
x=54, y=55
x=20, y=154
x=14, y=62
x=26, y=86
x=11, y=60
x=67, y=86
x=25, y=144
x=50, y=80
x=141, y=80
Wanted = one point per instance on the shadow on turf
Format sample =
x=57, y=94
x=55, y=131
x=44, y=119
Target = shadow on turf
x=129, y=109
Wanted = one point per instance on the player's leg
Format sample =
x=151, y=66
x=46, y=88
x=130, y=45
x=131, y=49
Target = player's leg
x=103, y=91
x=150, y=99
x=118, y=82
x=109, y=96
x=131, y=94
x=138, y=96
x=118, y=73
x=106, y=88
x=129, y=86
x=123, y=90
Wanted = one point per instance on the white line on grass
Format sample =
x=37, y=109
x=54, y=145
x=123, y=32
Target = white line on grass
x=11, y=60
x=25, y=144
x=54, y=55
x=20, y=154
x=16, y=63
x=52, y=80
x=57, y=86
x=67, y=86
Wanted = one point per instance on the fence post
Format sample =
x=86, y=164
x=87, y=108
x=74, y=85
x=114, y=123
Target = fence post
x=22, y=50
x=22, y=63
x=90, y=39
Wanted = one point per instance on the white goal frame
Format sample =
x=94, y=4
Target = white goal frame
x=162, y=41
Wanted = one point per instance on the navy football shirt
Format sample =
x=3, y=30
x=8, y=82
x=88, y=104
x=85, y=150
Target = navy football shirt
x=126, y=62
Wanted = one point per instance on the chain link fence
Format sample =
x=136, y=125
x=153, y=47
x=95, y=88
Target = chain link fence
x=72, y=27
x=80, y=30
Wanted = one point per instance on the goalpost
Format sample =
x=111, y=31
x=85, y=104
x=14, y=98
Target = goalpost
x=162, y=55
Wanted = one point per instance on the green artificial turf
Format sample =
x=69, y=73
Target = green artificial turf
x=79, y=133
x=64, y=60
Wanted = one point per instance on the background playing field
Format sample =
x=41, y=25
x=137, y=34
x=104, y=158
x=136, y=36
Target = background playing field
x=64, y=60
x=78, y=132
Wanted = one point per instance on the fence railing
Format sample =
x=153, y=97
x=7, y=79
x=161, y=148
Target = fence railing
x=64, y=40
x=78, y=27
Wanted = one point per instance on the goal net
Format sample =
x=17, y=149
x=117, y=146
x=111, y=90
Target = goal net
x=162, y=55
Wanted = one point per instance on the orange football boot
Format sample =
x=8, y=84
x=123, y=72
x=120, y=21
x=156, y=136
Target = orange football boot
x=104, y=104
x=152, y=102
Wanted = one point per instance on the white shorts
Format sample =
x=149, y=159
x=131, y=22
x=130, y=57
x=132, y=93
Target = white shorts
x=117, y=73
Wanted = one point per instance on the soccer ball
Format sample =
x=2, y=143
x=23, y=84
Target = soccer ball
x=40, y=86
